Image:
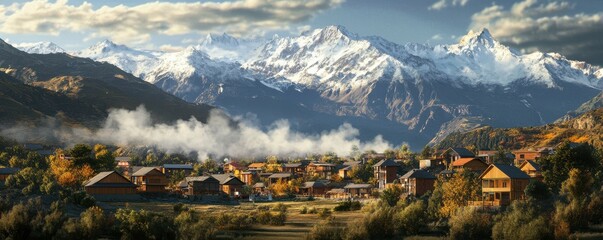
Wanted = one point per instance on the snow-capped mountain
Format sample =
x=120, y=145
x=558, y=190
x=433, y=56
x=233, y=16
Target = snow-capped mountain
x=39, y=47
x=328, y=76
x=136, y=62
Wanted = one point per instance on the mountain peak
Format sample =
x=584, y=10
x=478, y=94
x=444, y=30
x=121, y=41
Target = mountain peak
x=482, y=36
x=40, y=47
x=223, y=39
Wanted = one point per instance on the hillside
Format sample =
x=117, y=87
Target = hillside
x=80, y=88
x=586, y=128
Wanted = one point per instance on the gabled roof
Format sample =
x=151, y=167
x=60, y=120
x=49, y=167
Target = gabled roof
x=280, y=175
x=256, y=165
x=292, y=165
x=235, y=165
x=462, y=152
x=178, y=166
x=336, y=191
x=95, y=181
x=259, y=185
x=144, y=171
x=200, y=179
x=358, y=185
x=462, y=161
x=9, y=170
x=419, y=174
x=225, y=178
x=122, y=159
x=511, y=171
x=386, y=163
x=316, y=184
x=322, y=164
x=531, y=162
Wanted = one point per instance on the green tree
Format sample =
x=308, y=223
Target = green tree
x=104, y=158
x=391, y=195
x=427, y=152
x=469, y=223
x=501, y=157
x=557, y=166
x=145, y=225
x=81, y=154
x=522, y=221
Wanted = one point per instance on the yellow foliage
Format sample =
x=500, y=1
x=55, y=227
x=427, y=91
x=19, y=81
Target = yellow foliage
x=549, y=135
x=579, y=139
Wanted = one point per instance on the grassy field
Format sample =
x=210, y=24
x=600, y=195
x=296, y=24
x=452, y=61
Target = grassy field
x=296, y=226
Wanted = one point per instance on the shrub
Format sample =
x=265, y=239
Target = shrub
x=391, y=195
x=266, y=217
x=325, y=230
x=280, y=207
x=313, y=211
x=190, y=226
x=144, y=224
x=521, y=221
x=324, y=213
x=468, y=223
x=412, y=219
x=179, y=207
x=348, y=206
x=304, y=210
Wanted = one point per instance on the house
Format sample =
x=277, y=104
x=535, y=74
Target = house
x=229, y=184
x=502, y=184
x=386, y=172
x=362, y=190
x=233, y=167
x=532, y=168
x=344, y=172
x=257, y=167
x=202, y=185
x=149, y=179
x=336, y=193
x=417, y=182
x=313, y=188
x=123, y=163
x=472, y=164
x=5, y=172
x=523, y=155
x=277, y=177
x=259, y=187
x=109, y=186
x=322, y=170
x=248, y=177
x=297, y=169
x=453, y=154
x=169, y=169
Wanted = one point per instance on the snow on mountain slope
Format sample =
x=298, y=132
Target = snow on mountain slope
x=136, y=62
x=228, y=48
x=39, y=47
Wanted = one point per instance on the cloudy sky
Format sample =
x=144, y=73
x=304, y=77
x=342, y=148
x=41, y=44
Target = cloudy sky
x=573, y=28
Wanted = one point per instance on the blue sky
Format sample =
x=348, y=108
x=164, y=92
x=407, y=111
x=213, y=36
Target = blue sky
x=571, y=28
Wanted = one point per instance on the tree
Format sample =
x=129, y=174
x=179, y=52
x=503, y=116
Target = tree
x=501, y=157
x=522, y=221
x=458, y=190
x=427, y=152
x=537, y=191
x=578, y=186
x=355, y=153
x=557, y=166
x=412, y=219
x=81, y=154
x=469, y=223
x=391, y=195
x=403, y=152
x=145, y=225
x=272, y=164
x=104, y=158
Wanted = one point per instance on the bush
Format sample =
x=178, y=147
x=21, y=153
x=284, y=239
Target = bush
x=266, y=217
x=521, y=221
x=179, y=207
x=325, y=230
x=468, y=223
x=313, y=211
x=94, y=223
x=304, y=210
x=348, y=206
x=144, y=224
x=280, y=207
x=412, y=219
x=391, y=195
x=190, y=226
x=324, y=213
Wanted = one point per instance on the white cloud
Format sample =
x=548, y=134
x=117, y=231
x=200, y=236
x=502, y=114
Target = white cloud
x=138, y=23
x=217, y=137
x=441, y=4
x=170, y=48
x=530, y=25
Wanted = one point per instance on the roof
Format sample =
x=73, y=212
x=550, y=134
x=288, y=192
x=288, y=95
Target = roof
x=358, y=185
x=292, y=165
x=122, y=159
x=259, y=185
x=313, y=185
x=462, y=161
x=198, y=178
x=9, y=170
x=183, y=184
x=225, y=178
x=256, y=165
x=235, y=164
x=386, y=163
x=418, y=173
x=463, y=152
x=144, y=171
x=531, y=162
x=178, y=166
x=323, y=164
x=336, y=191
x=510, y=171
x=280, y=175
x=94, y=181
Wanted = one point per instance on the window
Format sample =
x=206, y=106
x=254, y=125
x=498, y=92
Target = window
x=504, y=184
x=522, y=156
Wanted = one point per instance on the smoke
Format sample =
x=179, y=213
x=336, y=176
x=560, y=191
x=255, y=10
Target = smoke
x=217, y=137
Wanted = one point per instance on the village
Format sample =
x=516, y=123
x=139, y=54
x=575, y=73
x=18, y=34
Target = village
x=263, y=181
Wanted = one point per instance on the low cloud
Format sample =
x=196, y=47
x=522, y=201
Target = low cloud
x=441, y=4
x=533, y=26
x=217, y=137
x=138, y=23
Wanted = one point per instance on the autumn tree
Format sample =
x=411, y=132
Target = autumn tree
x=427, y=152
x=458, y=190
x=272, y=164
x=104, y=159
